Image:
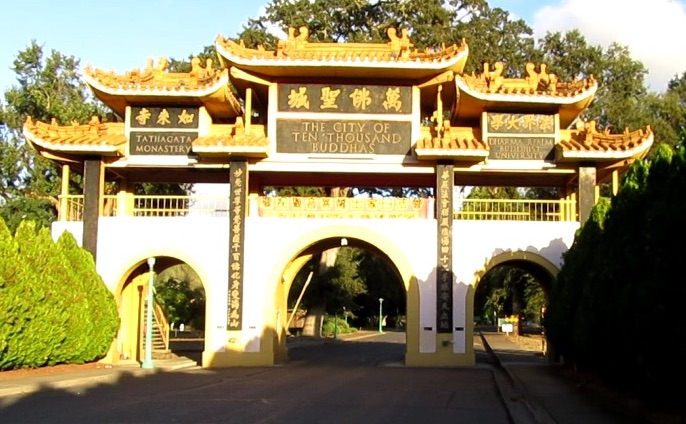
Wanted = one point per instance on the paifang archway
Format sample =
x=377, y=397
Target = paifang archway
x=305, y=114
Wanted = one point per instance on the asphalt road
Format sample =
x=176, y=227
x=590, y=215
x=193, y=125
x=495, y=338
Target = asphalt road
x=360, y=381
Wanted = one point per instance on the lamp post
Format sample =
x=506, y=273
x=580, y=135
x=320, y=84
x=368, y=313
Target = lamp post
x=335, y=325
x=147, y=362
x=380, y=314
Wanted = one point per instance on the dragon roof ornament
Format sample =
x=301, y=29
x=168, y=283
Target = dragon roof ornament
x=541, y=82
x=297, y=47
x=157, y=76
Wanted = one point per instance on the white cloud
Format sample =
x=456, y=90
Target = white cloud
x=654, y=32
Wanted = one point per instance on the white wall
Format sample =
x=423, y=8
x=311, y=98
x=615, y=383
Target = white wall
x=202, y=242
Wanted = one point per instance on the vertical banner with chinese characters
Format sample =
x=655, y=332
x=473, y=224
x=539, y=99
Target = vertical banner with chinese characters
x=444, y=267
x=237, y=211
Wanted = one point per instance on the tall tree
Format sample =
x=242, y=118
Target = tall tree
x=622, y=100
x=570, y=56
x=48, y=87
x=668, y=111
x=491, y=33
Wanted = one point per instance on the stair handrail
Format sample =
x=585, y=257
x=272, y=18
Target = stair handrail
x=162, y=324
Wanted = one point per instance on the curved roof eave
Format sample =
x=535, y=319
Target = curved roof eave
x=297, y=56
x=638, y=151
x=97, y=143
x=534, y=98
x=184, y=92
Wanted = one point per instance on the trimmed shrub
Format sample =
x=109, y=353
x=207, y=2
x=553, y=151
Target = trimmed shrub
x=329, y=327
x=54, y=307
x=620, y=284
x=96, y=322
x=41, y=310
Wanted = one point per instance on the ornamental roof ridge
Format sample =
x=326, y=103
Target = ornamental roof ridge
x=157, y=77
x=585, y=141
x=464, y=143
x=298, y=47
x=535, y=83
x=453, y=138
x=92, y=137
x=586, y=133
x=94, y=126
x=231, y=140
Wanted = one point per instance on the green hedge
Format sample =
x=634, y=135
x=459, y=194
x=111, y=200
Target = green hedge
x=54, y=307
x=618, y=302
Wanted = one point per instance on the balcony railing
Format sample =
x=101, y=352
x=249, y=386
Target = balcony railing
x=323, y=207
x=514, y=210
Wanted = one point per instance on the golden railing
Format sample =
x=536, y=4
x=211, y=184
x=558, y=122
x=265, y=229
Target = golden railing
x=71, y=208
x=343, y=207
x=324, y=207
x=146, y=206
x=514, y=210
x=162, y=324
x=179, y=206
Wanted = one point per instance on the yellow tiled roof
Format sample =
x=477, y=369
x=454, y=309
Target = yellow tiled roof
x=540, y=89
x=585, y=142
x=202, y=86
x=155, y=78
x=234, y=139
x=535, y=84
x=296, y=53
x=110, y=138
x=582, y=143
x=453, y=143
x=95, y=137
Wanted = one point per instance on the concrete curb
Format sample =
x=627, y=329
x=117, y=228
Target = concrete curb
x=88, y=378
x=62, y=382
x=540, y=414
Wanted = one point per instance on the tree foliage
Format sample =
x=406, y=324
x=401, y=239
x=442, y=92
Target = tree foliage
x=48, y=87
x=180, y=293
x=603, y=301
x=335, y=287
x=353, y=285
x=54, y=307
x=491, y=33
x=382, y=281
x=509, y=290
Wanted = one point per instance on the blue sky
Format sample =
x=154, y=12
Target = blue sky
x=121, y=35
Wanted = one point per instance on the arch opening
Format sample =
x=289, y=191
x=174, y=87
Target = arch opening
x=179, y=310
x=514, y=286
x=344, y=286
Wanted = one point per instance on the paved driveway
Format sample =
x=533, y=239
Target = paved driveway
x=360, y=381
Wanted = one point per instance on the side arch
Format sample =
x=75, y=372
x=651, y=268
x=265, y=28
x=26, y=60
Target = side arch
x=128, y=291
x=537, y=265
x=139, y=261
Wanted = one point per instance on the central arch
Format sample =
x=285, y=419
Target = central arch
x=301, y=249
